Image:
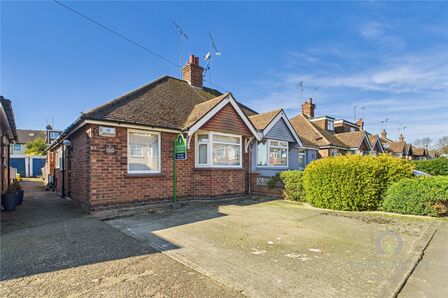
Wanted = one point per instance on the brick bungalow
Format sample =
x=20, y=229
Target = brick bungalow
x=121, y=153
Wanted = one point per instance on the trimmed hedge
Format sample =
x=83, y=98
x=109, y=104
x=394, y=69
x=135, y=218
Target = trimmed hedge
x=352, y=182
x=419, y=196
x=438, y=166
x=293, y=182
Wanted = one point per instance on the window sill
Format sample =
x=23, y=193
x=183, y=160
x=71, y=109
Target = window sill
x=136, y=175
x=218, y=168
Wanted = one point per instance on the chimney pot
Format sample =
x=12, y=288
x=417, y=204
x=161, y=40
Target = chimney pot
x=384, y=134
x=360, y=123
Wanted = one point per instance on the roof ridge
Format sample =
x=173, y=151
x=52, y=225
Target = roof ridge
x=313, y=127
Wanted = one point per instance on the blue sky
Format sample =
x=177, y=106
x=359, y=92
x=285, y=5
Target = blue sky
x=391, y=58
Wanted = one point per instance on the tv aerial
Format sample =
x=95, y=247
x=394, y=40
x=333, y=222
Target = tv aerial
x=182, y=36
x=209, y=55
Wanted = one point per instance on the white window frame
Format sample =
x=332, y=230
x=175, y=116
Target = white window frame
x=301, y=153
x=20, y=147
x=210, y=149
x=269, y=150
x=332, y=151
x=330, y=125
x=159, y=148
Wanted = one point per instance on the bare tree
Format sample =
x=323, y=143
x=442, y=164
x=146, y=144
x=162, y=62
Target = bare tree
x=442, y=145
x=423, y=142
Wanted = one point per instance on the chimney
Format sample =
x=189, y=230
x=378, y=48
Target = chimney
x=192, y=72
x=401, y=138
x=308, y=108
x=360, y=123
x=384, y=134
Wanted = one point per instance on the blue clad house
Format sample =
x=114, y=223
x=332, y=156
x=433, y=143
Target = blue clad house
x=280, y=148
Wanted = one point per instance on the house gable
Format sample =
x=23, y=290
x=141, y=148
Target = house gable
x=227, y=120
x=280, y=131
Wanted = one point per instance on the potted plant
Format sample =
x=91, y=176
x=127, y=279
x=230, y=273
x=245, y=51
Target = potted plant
x=9, y=200
x=20, y=192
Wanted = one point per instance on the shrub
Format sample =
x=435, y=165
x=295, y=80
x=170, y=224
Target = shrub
x=438, y=166
x=293, y=181
x=274, y=182
x=352, y=182
x=419, y=196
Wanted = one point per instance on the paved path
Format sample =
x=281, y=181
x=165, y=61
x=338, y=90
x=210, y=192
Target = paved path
x=50, y=248
x=430, y=277
x=281, y=249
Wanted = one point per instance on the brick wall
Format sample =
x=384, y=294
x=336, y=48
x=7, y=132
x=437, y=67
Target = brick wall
x=227, y=121
x=263, y=189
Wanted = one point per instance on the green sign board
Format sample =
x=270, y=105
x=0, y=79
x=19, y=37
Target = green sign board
x=180, y=148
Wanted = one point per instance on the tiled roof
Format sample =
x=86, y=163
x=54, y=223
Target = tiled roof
x=351, y=139
x=261, y=121
x=419, y=151
x=397, y=147
x=312, y=135
x=27, y=135
x=373, y=139
x=166, y=103
x=201, y=109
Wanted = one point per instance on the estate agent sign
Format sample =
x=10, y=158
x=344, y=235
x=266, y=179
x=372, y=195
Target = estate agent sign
x=180, y=148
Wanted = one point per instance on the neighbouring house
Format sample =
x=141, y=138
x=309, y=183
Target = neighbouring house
x=376, y=146
x=121, y=153
x=280, y=149
x=396, y=148
x=433, y=153
x=357, y=141
x=421, y=154
x=26, y=165
x=8, y=136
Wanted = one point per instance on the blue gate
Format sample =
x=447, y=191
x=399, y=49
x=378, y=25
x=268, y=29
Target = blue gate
x=38, y=164
x=19, y=164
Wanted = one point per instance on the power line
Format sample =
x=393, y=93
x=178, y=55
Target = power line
x=128, y=39
x=116, y=33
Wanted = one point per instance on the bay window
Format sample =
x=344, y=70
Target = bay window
x=272, y=153
x=218, y=150
x=143, y=152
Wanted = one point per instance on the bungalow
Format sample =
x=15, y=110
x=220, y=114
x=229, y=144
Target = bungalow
x=8, y=136
x=376, y=146
x=27, y=166
x=121, y=153
x=396, y=148
x=280, y=149
x=357, y=141
x=421, y=154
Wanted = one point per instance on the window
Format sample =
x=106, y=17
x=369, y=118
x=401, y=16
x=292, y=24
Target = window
x=143, y=152
x=17, y=147
x=218, y=150
x=54, y=135
x=58, y=158
x=352, y=129
x=330, y=125
x=272, y=153
x=301, y=162
x=334, y=152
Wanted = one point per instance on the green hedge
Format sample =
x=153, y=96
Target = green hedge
x=419, y=196
x=438, y=166
x=352, y=182
x=293, y=182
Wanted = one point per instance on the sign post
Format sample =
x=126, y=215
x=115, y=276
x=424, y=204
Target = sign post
x=180, y=153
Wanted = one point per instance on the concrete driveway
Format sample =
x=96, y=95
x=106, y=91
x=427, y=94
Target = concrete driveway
x=281, y=248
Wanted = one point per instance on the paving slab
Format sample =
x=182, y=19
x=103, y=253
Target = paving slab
x=282, y=249
x=50, y=248
x=430, y=277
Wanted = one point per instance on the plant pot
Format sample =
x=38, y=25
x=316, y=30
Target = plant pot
x=9, y=201
x=20, y=194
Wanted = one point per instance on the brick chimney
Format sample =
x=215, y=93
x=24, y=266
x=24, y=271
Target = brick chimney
x=192, y=72
x=308, y=108
x=401, y=138
x=384, y=134
x=360, y=123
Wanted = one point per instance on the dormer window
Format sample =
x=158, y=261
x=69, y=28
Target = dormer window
x=330, y=125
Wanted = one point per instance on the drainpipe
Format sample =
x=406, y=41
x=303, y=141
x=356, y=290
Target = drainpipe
x=63, y=172
x=9, y=164
x=250, y=168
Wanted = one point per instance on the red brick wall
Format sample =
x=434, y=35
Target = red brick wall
x=227, y=121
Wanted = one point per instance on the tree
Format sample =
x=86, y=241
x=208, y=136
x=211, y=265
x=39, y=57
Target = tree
x=442, y=145
x=35, y=147
x=424, y=142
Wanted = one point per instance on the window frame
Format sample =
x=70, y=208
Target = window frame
x=330, y=125
x=159, y=139
x=210, y=143
x=20, y=147
x=269, y=150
